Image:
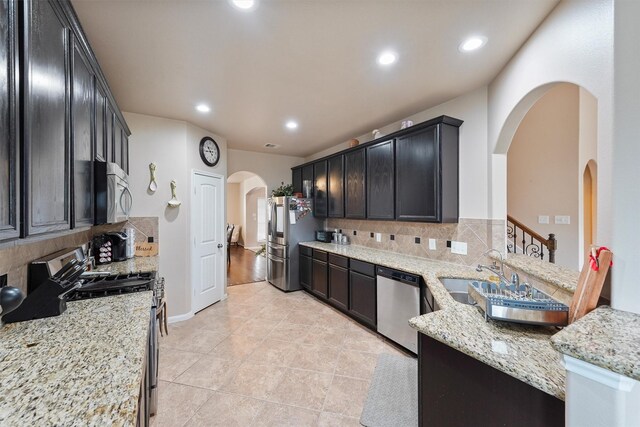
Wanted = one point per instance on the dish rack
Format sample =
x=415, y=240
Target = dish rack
x=520, y=304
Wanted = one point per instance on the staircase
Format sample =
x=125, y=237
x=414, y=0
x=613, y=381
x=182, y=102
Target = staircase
x=521, y=239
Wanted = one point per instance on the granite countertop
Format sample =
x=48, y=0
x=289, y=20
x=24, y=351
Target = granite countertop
x=557, y=275
x=132, y=265
x=605, y=337
x=524, y=352
x=82, y=368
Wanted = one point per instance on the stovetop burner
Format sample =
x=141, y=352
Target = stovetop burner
x=114, y=285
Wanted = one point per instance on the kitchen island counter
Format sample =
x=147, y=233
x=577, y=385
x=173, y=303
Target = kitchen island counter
x=524, y=352
x=81, y=368
x=131, y=266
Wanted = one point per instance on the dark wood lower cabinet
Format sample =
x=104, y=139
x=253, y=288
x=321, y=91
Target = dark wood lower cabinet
x=339, y=286
x=306, y=268
x=458, y=390
x=362, y=298
x=319, y=280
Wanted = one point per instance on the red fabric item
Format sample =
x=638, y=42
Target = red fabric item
x=593, y=260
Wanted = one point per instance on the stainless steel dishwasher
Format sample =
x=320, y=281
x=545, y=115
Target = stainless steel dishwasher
x=398, y=295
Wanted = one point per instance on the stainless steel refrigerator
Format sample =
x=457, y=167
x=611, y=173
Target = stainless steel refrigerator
x=290, y=221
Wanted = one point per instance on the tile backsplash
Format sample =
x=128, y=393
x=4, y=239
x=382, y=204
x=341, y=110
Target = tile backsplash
x=16, y=255
x=414, y=238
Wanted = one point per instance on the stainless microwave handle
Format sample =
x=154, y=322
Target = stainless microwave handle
x=126, y=212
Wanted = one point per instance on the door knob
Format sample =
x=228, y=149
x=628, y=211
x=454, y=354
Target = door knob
x=220, y=245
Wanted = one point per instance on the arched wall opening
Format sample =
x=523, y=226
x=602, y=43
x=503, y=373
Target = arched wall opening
x=246, y=208
x=546, y=143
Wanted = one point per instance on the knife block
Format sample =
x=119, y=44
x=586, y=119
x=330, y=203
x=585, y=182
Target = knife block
x=43, y=302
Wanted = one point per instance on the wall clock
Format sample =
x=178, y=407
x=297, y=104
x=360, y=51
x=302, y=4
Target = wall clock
x=209, y=151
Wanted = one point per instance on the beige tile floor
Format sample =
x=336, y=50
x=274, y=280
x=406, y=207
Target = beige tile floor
x=266, y=358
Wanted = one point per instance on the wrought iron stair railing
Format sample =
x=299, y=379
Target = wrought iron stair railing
x=522, y=239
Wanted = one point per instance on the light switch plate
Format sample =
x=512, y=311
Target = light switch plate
x=432, y=244
x=378, y=237
x=562, y=219
x=543, y=219
x=459, y=248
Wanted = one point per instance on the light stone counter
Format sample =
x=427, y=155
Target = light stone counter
x=82, y=368
x=132, y=265
x=606, y=338
x=524, y=352
x=554, y=274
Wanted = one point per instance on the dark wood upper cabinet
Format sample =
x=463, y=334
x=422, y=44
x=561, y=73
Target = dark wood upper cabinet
x=46, y=81
x=108, y=132
x=100, y=139
x=335, y=186
x=380, y=181
x=82, y=136
x=320, y=201
x=118, y=133
x=125, y=152
x=9, y=107
x=355, y=198
x=307, y=175
x=427, y=165
x=296, y=180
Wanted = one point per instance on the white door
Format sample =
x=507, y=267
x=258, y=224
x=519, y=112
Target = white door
x=208, y=240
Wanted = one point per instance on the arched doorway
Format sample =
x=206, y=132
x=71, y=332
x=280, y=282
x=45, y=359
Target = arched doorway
x=548, y=181
x=246, y=214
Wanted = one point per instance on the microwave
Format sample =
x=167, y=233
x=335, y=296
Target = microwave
x=113, y=199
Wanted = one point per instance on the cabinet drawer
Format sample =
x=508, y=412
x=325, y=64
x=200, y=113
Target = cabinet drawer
x=320, y=255
x=306, y=251
x=363, y=267
x=339, y=260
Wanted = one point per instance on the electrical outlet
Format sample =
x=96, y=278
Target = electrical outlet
x=459, y=248
x=378, y=237
x=562, y=219
x=543, y=219
x=432, y=244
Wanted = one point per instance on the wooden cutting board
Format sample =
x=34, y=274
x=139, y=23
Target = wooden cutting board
x=589, y=287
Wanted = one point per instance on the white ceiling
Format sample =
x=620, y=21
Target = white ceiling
x=313, y=61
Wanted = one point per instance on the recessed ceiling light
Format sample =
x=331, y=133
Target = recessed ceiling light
x=203, y=108
x=291, y=124
x=244, y=4
x=387, y=58
x=472, y=43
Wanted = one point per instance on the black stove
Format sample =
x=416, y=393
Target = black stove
x=96, y=287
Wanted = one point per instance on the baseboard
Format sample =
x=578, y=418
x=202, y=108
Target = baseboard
x=180, y=317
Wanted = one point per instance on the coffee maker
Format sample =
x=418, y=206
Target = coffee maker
x=118, y=241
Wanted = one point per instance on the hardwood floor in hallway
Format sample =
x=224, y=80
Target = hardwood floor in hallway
x=245, y=267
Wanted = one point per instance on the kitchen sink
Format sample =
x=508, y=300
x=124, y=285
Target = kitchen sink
x=458, y=289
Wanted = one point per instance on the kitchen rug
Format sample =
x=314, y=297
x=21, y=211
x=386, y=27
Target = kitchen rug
x=393, y=395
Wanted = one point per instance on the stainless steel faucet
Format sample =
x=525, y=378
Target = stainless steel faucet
x=499, y=271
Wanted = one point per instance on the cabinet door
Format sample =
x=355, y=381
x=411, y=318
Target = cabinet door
x=118, y=131
x=355, y=189
x=9, y=153
x=418, y=176
x=319, y=279
x=306, y=267
x=108, y=131
x=335, y=186
x=125, y=152
x=307, y=175
x=362, y=297
x=46, y=118
x=339, y=286
x=320, y=189
x=101, y=140
x=82, y=137
x=380, y=181
x=296, y=180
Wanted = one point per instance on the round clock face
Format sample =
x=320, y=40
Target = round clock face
x=209, y=151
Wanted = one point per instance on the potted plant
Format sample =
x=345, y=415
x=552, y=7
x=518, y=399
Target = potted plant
x=283, y=190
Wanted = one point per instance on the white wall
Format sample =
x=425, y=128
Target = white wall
x=574, y=44
x=273, y=168
x=173, y=146
x=626, y=145
x=542, y=169
x=472, y=108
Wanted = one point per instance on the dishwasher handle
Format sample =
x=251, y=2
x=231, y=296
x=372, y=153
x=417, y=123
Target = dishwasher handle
x=400, y=276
